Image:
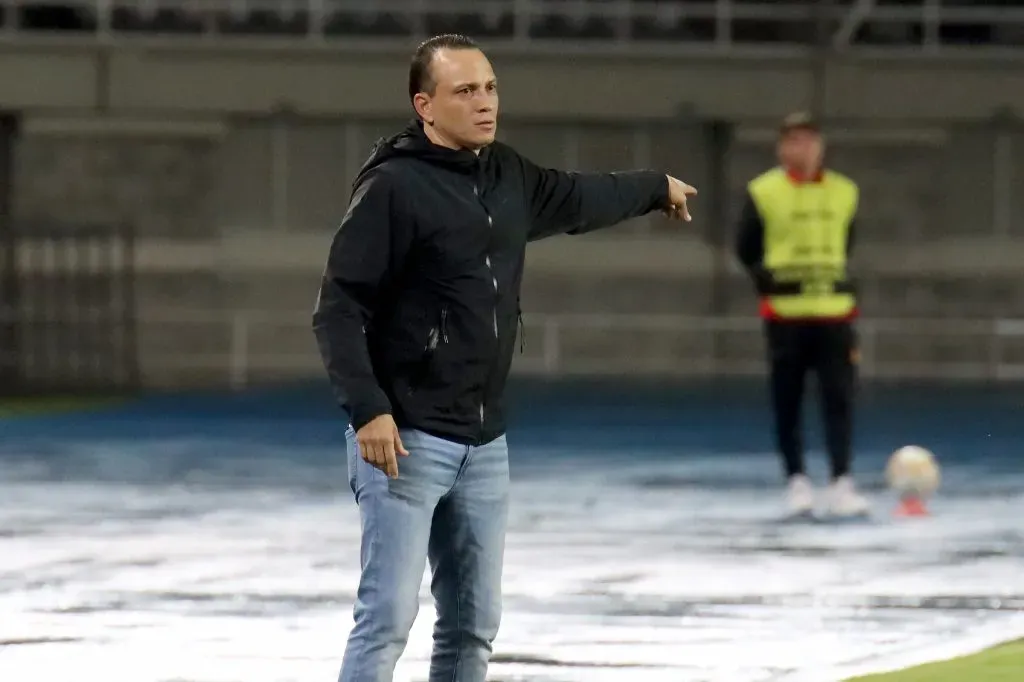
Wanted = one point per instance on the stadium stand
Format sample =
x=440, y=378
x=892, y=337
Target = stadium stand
x=796, y=22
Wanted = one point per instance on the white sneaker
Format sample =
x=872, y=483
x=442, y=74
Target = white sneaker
x=843, y=500
x=800, y=495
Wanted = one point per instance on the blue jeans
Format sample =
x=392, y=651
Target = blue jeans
x=449, y=504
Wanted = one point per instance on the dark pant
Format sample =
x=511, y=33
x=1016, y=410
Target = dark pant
x=826, y=349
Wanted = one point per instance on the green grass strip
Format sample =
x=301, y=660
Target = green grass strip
x=1004, y=663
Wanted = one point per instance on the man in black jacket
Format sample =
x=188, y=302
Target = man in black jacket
x=416, y=324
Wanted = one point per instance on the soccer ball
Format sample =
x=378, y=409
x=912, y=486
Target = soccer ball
x=912, y=471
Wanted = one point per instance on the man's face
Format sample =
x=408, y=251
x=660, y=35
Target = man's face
x=801, y=149
x=463, y=108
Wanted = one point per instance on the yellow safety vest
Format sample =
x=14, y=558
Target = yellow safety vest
x=805, y=238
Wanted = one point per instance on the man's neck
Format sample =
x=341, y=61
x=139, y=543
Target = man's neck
x=441, y=141
x=798, y=174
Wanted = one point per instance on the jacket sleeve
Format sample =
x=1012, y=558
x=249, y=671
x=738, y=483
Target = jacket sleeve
x=362, y=259
x=574, y=203
x=750, y=245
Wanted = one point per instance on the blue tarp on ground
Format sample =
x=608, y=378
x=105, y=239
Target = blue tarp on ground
x=644, y=540
x=978, y=424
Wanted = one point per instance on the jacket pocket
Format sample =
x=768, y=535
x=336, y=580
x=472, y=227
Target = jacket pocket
x=434, y=339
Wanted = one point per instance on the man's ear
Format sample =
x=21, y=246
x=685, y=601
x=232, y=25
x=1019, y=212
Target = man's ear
x=424, y=108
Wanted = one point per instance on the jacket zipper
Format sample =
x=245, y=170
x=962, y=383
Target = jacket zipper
x=494, y=308
x=522, y=333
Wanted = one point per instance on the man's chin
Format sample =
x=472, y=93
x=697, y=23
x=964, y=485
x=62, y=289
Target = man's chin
x=482, y=139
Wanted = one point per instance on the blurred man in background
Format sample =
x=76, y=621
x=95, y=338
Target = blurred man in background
x=795, y=236
x=416, y=323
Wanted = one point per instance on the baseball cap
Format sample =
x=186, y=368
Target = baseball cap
x=799, y=120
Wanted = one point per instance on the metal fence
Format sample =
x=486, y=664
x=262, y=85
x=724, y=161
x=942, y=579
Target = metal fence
x=68, y=311
x=933, y=25
x=258, y=347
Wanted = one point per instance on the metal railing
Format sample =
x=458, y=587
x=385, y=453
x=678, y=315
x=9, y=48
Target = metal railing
x=239, y=347
x=928, y=24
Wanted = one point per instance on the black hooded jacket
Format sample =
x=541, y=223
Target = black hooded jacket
x=418, y=310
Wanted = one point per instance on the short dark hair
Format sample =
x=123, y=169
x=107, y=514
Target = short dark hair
x=420, y=79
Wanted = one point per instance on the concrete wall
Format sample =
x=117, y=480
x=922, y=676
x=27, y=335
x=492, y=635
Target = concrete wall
x=293, y=174
x=276, y=187
x=163, y=184
x=600, y=83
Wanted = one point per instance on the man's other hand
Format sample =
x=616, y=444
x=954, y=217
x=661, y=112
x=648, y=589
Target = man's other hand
x=678, y=192
x=379, y=443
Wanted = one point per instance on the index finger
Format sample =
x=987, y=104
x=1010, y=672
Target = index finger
x=390, y=460
x=681, y=210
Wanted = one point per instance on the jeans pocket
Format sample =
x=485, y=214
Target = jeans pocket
x=352, y=456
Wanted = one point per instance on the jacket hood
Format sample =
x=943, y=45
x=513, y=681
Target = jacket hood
x=413, y=142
